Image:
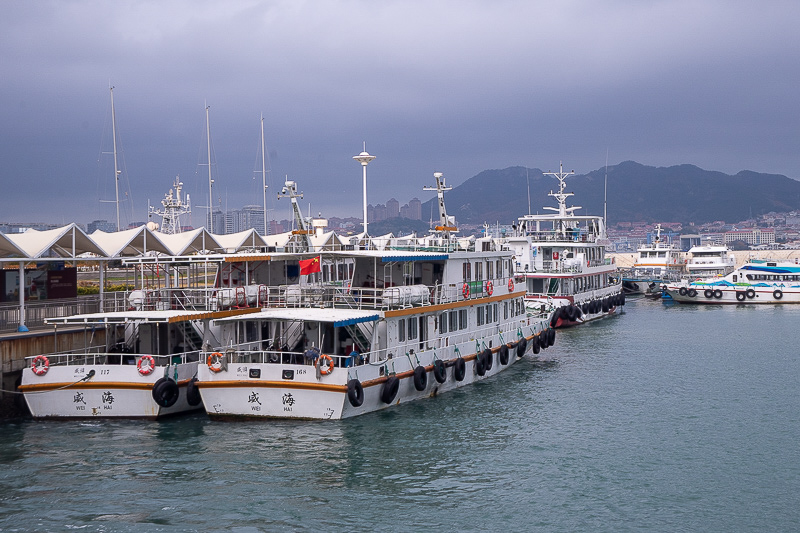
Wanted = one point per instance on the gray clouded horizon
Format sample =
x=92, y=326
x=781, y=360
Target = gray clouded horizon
x=457, y=87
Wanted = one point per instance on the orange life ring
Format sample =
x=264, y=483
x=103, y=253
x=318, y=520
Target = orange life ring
x=40, y=369
x=555, y=256
x=149, y=367
x=489, y=288
x=327, y=369
x=214, y=362
x=510, y=285
x=465, y=291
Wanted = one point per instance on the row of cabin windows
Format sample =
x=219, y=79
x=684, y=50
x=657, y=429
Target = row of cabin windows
x=489, y=267
x=339, y=272
x=773, y=277
x=453, y=321
x=407, y=328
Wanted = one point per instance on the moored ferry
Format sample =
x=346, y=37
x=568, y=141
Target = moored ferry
x=756, y=282
x=560, y=261
x=366, y=329
x=141, y=354
x=656, y=263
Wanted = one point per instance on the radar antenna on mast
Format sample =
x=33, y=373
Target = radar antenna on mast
x=447, y=223
x=174, y=206
x=289, y=190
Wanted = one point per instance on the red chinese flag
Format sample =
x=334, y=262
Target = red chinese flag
x=309, y=266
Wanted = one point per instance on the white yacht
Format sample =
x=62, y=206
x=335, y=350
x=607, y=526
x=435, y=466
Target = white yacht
x=560, y=260
x=709, y=260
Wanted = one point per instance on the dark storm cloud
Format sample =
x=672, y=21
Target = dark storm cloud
x=458, y=87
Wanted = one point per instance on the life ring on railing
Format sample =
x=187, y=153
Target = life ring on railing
x=327, y=369
x=489, y=288
x=214, y=362
x=465, y=291
x=145, y=369
x=510, y=285
x=588, y=264
x=40, y=369
x=555, y=256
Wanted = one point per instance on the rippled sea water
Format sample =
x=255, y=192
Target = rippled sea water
x=665, y=418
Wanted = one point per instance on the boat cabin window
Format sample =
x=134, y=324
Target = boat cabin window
x=401, y=330
x=412, y=329
x=489, y=270
x=453, y=320
x=467, y=267
x=442, y=323
x=480, y=315
x=462, y=319
x=478, y=271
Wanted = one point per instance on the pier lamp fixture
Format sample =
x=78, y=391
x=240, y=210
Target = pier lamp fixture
x=364, y=158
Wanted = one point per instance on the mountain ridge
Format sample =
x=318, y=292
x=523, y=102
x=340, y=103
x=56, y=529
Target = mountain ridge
x=682, y=193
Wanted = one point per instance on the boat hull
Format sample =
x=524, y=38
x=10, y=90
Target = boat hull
x=114, y=391
x=276, y=390
x=736, y=295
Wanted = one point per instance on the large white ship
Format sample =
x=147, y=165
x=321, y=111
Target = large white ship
x=560, y=260
x=367, y=329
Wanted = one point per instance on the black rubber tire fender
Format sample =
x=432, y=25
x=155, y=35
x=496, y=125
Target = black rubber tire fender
x=193, y=397
x=355, y=392
x=439, y=371
x=390, y=388
x=165, y=392
x=420, y=378
x=522, y=347
x=502, y=355
x=460, y=369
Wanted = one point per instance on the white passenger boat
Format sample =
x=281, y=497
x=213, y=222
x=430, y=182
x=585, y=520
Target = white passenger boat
x=656, y=264
x=709, y=260
x=372, y=329
x=560, y=260
x=756, y=282
x=141, y=355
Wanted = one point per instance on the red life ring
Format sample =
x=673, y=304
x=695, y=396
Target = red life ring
x=588, y=264
x=40, y=369
x=489, y=288
x=327, y=369
x=510, y=285
x=465, y=291
x=555, y=256
x=149, y=367
x=214, y=362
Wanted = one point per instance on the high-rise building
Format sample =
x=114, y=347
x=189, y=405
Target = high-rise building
x=392, y=208
x=415, y=209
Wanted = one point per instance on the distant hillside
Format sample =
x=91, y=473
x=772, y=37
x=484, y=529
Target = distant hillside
x=681, y=193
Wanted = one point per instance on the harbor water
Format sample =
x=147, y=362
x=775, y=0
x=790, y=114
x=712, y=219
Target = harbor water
x=664, y=418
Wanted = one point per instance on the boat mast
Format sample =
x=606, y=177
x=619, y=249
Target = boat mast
x=210, y=181
x=290, y=191
x=561, y=196
x=116, y=166
x=264, y=173
x=446, y=224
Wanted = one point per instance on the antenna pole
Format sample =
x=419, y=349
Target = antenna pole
x=528, y=182
x=114, y=140
x=605, y=193
x=264, y=172
x=210, y=181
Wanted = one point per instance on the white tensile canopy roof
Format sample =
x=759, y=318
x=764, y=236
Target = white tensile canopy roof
x=236, y=241
x=67, y=241
x=131, y=242
x=194, y=241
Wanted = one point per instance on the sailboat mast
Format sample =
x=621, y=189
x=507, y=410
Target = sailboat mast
x=264, y=173
x=114, y=141
x=605, y=193
x=210, y=181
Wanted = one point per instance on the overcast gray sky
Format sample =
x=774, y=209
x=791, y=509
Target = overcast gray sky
x=451, y=86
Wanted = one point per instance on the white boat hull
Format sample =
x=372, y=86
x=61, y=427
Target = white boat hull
x=235, y=394
x=115, y=391
x=736, y=295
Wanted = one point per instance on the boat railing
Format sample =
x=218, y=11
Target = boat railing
x=36, y=312
x=99, y=355
x=560, y=236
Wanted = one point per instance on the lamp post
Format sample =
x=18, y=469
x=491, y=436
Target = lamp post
x=364, y=158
